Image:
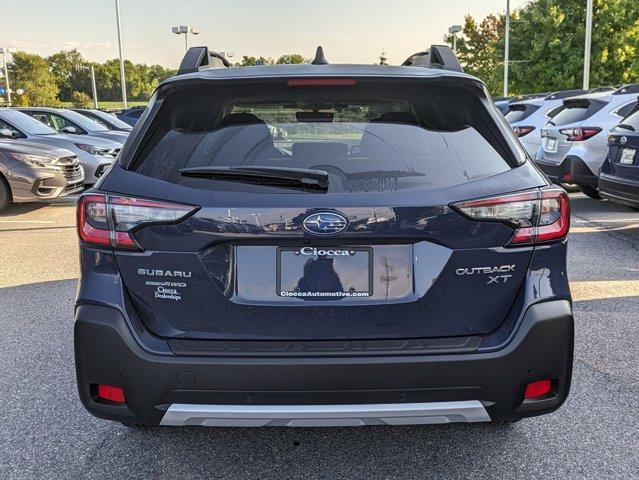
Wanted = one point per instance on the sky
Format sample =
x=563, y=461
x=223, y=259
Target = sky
x=351, y=31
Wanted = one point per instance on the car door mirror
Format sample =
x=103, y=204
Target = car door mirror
x=69, y=130
x=6, y=133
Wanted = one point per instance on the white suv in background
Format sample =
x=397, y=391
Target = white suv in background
x=527, y=117
x=574, y=143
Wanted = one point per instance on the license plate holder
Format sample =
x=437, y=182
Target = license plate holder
x=628, y=156
x=324, y=273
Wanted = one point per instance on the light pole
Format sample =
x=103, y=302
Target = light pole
x=185, y=29
x=454, y=30
x=506, y=48
x=4, y=52
x=94, y=89
x=588, y=44
x=122, y=77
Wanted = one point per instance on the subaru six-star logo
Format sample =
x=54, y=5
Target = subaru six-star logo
x=325, y=223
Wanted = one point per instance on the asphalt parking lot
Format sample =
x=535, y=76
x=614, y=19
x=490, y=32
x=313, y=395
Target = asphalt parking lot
x=46, y=433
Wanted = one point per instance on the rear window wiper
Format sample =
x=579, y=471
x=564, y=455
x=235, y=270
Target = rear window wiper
x=304, y=178
x=626, y=127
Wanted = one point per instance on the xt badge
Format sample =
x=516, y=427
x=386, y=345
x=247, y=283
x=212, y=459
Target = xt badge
x=503, y=273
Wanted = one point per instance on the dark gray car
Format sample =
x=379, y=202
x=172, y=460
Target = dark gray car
x=73, y=123
x=31, y=172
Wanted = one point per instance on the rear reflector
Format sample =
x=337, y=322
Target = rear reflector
x=537, y=216
x=537, y=389
x=109, y=220
x=320, y=82
x=111, y=394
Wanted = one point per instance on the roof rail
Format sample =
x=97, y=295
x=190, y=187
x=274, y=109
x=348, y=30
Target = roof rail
x=603, y=89
x=560, y=95
x=201, y=58
x=438, y=56
x=630, y=88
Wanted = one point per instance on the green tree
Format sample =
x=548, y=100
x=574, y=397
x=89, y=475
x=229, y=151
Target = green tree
x=252, y=61
x=550, y=41
x=292, y=58
x=81, y=100
x=547, y=43
x=480, y=49
x=31, y=73
x=69, y=77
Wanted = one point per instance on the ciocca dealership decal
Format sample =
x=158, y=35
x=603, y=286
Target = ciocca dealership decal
x=166, y=290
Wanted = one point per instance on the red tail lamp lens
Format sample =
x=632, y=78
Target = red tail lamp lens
x=111, y=394
x=580, y=134
x=523, y=131
x=537, y=216
x=538, y=389
x=110, y=220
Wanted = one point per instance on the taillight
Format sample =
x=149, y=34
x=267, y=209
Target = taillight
x=321, y=82
x=523, y=131
x=537, y=216
x=580, y=134
x=110, y=220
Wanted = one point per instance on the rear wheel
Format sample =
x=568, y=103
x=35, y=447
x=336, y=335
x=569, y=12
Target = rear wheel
x=5, y=194
x=592, y=192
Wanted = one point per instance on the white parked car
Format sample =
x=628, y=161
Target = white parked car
x=527, y=117
x=574, y=143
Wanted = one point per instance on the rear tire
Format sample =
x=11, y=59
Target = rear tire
x=591, y=192
x=5, y=194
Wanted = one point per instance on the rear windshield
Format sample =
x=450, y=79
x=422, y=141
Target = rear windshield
x=632, y=120
x=368, y=138
x=517, y=113
x=554, y=111
x=577, y=110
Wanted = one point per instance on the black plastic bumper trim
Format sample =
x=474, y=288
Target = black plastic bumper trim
x=106, y=352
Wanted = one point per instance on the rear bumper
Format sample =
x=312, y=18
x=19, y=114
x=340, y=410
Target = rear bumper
x=305, y=391
x=571, y=166
x=619, y=190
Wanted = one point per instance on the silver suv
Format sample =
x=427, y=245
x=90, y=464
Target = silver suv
x=574, y=143
x=94, y=154
x=31, y=172
x=527, y=117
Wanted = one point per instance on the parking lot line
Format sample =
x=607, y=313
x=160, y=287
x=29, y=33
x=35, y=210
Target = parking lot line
x=27, y=221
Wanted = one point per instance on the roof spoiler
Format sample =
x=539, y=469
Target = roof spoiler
x=438, y=56
x=201, y=58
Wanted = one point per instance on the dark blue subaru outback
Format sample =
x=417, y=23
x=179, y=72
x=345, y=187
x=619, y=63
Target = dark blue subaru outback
x=314, y=245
